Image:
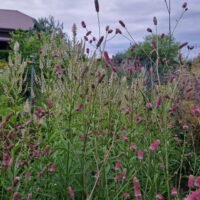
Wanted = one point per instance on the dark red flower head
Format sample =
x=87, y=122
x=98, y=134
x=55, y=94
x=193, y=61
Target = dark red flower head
x=96, y=3
x=122, y=23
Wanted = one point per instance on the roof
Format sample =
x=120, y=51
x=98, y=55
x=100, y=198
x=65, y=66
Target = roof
x=13, y=19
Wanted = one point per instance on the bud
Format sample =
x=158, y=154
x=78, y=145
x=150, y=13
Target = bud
x=83, y=24
x=88, y=33
x=155, y=21
x=100, y=41
x=149, y=30
x=183, y=45
x=122, y=23
x=184, y=5
x=110, y=31
x=118, y=31
x=96, y=3
x=107, y=28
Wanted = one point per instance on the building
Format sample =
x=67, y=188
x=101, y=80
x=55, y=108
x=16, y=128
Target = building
x=11, y=20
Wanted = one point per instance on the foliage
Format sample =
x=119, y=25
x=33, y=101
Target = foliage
x=48, y=25
x=168, y=50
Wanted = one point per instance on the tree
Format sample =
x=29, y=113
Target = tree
x=48, y=25
x=163, y=47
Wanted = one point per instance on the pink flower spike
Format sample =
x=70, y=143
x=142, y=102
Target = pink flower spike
x=194, y=195
x=52, y=168
x=174, y=192
x=197, y=182
x=154, y=146
x=191, y=181
x=140, y=154
x=159, y=197
x=118, y=165
x=15, y=196
x=6, y=160
x=149, y=105
x=79, y=107
x=71, y=192
x=49, y=102
x=133, y=146
x=126, y=196
x=136, y=187
x=118, y=178
x=185, y=127
x=158, y=102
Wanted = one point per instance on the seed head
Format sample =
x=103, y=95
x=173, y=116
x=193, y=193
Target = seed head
x=122, y=23
x=83, y=24
x=118, y=31
x=96, y=3
x=155, y=21
x=184, y=5
x=149, y=30
x=100, y=41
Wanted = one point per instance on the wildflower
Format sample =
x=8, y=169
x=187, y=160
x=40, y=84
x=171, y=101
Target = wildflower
x=107, y=28
x=140, y=154
x=149, y=105
x=87, y=50
x=52, y=168
x=36, y=153
x=123, y=175
x=6, y=160
x=149, y=30
x=110, y=31
x=158, y=101
x=123, y=137
x=183, y=45
x=16, y=181
x=88, y=33
x=96, y=3
x=79, y=107
x=185, y=127
x=159, y=197
x=196, y=111
x=27, y=175
x=49, y=102
x=58, y=69
x=184, y=5
x=45, y=150
x=118, y=31
x=100, y=41
x=86, y=38
x=174, y=192
x=197, y=182
x=118, y=178
x=133, y=146
x=71, y=192
x=191, y=181
x=118, y=165
x=16, y=196
x=122, y=23
x=136, y=186
x=194, y=195
x=155, y=21
x=154, y=146
x=100, y=77
x=126, y=196
x=106, y=56
x=83, y=24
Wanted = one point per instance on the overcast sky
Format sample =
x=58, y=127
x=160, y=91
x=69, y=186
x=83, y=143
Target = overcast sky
x=137, y=14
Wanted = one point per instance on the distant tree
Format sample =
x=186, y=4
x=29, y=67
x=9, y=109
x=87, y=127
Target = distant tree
x=168, y=51
x=48, y=25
